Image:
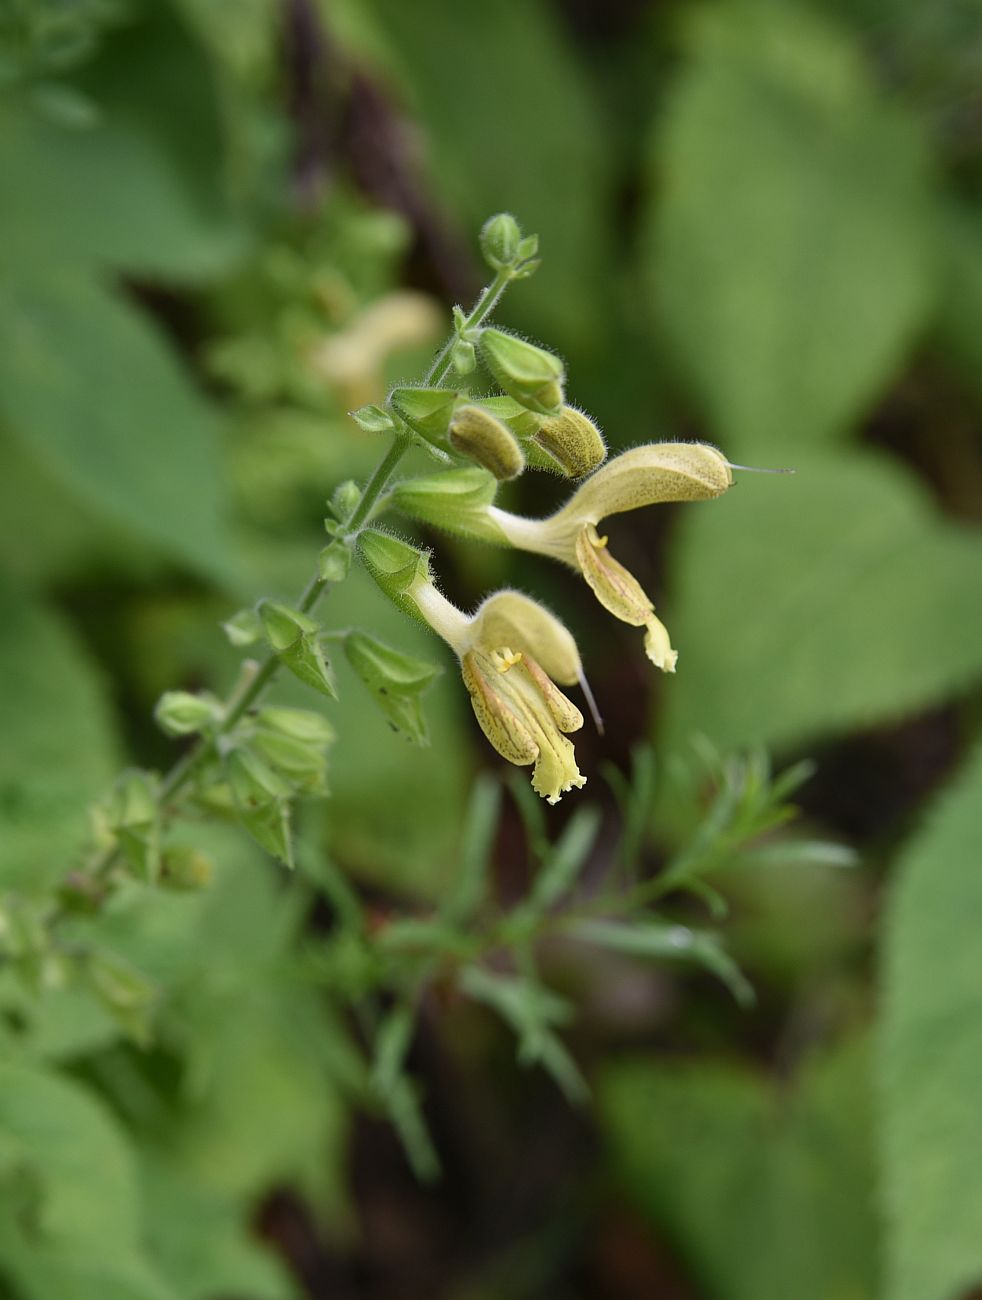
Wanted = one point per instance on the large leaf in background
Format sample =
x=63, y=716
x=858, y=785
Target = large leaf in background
x=814, y=604
x=144, y=189
x=789, y=251
x=202, y=1244
x=105, y=195
x=511, y=125
x=90, y=384
x=56, y=1237
x=930, y=1050
x=765, y=1193
x=58, y=750
x=253, y=1040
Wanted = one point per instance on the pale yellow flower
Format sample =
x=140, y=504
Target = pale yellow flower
x=510, y=650
x=353, y=360
x=661, y=472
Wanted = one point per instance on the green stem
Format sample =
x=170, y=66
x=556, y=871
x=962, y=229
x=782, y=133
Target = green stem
x=253, y=690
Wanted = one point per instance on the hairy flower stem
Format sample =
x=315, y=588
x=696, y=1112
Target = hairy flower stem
x=259, y=682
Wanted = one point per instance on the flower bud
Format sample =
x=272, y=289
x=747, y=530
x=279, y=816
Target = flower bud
x=522, y=422
x=573, y=440
x=186, y=869
x=427, y=411
x=344, y=500
x=464, y=357
x=302, y=764
x=179, y=712
x=476, y=433
x=299, y=724
x=456, y=499
x=396, y=566
x=527, y=373
x=334, y=561
x=133, y=815
x=500, y=240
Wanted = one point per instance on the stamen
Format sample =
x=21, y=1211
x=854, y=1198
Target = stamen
x=598, y=721
x=505, y=659
x=757, y=469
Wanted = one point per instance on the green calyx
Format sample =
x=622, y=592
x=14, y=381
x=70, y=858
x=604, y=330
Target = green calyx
x=427, y=411
x=395, y=680
x=396, y=566
x=456, y=500
x=295, y=637
x=527, y=373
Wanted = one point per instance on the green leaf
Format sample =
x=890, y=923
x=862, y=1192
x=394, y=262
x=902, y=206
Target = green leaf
x=373, y=419
x=790, y=254
x=468, y=888
x=91, y=387
x=765, y=1191
x=560, y=867
x=104, y=196
x=201, y=1240
x=59, y=751
x=395, y=680
x=53, y=1137
x=866, y=613
x=543, y=154
x=930, y=1053
x=662, y=942
x=531, y=1010
x=146, y=189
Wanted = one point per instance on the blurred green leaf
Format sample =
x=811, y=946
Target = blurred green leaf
x=468, y=887
x=105, y=196
x=201, y=1241
x=146, y=187
x=930, y=1052
x=661, y=942
x=790, y=252
x=530, y=119
x=89, y=384
x=59, y=751
x=767, y=1194
x=559, y=868
x=867, y=612
x=65, y=1241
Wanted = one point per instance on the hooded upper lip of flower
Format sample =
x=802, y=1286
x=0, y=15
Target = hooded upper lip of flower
x=648, y=475
x=509, y=652
x=651, y=475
